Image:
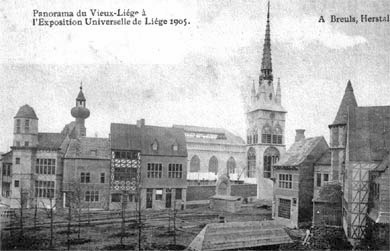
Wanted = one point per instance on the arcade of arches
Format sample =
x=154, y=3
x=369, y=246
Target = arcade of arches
x=213, y=165
x=271, y=156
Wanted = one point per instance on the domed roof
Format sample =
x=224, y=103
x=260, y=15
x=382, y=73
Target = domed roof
x=26, y=111
x=80, y=112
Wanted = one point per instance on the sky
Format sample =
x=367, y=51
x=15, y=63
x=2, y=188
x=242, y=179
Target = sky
x=199, y=74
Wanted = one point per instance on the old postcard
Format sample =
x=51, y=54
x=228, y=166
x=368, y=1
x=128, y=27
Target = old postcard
x=197, y=125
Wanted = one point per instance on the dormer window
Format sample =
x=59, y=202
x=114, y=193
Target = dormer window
x=175, y=147
x=155, y=145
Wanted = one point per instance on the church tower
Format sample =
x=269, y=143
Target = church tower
x=265, y=124
x=80, y=113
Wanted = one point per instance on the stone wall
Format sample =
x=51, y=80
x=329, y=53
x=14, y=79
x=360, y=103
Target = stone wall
x=205, y=192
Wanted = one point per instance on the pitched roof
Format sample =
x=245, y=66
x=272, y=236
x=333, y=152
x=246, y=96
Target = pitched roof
x=211, y=135
x=132, y=137
x=26, y=111
x=52, y=141
x=87, y=147
x=369, y=133
x=302, y=150
x=383, y=165
x=325, y=158
x=348, y=102
x=239, y=235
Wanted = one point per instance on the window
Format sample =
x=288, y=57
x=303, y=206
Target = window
x=277, y=137
x=17, y=143
x=285, y=181
x=93, y=152
x=271, y=156
x=251, y=169
x=116, y=197
x=17, y=160
x=294, y=203
x=178, y=194
x=266, y=135
x=375, y=191
x=18, y=126
x=175, y=147
x=16, y=183
x=195, y=164
x=175, y=171
x=326, y=177
x=213, y=165
x=125, y=155
x=27, y=126
x=6, y=169
x=44, y=189
x=231, y=165
x=255, y=138
x=159, y=194
x=318, y=179
x=26, y=143
x=155, y=145
x=102, y=178
x=249, y=139
x=45, y=166
x=154, y=170
x=92, y=196
x=85, y=177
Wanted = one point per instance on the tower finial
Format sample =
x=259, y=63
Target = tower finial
x=266, y=63
x=81, y=85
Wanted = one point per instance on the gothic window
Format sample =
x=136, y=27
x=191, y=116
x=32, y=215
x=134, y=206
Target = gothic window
x=271, y=156
x=266, y=134
x=213, y=165
x=195, y=164
x=231, y=165
x=255, y=136
x=18, y=126
x=277, y=137
x=251, y=169
x=155, y=145
x=27, y=126
x=249, y=139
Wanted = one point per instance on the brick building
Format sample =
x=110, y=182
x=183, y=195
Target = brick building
x=294, y=176
x=158, y=155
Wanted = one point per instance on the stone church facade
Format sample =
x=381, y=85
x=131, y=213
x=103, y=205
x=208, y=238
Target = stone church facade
x=265, y=124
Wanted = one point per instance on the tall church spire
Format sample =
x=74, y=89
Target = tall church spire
x=266, y=63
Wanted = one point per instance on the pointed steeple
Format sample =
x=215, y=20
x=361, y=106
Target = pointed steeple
x=81, y=97
x=348, y=102
x=266, y=63
x=278, y=93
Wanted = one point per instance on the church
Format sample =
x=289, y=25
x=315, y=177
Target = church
x=265, y=124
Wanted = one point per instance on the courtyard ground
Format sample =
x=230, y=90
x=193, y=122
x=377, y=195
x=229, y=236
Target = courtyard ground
x=101, y=230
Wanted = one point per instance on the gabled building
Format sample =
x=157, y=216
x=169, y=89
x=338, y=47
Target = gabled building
x=359, y=143
x=294, y=178
x=265, y=124
x=156, y=157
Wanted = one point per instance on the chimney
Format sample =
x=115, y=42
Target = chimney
x=300, y=134
x=141, y=123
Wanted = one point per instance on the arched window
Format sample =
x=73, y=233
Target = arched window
x=213, y=165
x=266, y=134
x=255, y=136
x=251, y=169
x=277, y=137
x=231, y=165
x=271, y=156
x=195, y=164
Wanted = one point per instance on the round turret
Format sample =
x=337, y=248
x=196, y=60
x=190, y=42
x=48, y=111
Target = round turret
x=25, y=127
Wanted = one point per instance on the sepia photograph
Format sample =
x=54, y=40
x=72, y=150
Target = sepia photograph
x=196, y=125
